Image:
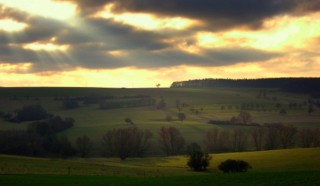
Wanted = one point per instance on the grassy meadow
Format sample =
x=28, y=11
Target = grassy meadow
x=94, y=122
x=277, y=167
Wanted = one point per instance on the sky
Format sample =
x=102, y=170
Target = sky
x=140, y=43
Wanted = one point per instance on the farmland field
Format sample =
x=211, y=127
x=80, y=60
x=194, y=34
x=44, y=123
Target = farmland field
x=278, y=167
x=296, y=166
x=94, y=122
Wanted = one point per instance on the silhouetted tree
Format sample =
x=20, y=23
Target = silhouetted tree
x=239, y=139
x=286, y=134
x=161, y=104
x=70, y=103
x=128, y=121
x=168, y=118
x=128, y=142
x=234, y=166
x=181, y=117
x=31, y=113
x=198, y=160
x=171, y=141
x=257, y=135
x=245, y=117
x=84, y=146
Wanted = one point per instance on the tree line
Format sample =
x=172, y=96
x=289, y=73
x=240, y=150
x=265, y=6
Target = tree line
x=299, y=85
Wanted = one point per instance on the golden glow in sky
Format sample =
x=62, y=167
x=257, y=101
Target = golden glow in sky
x=45, y=8
x=45, y=47
x=146, y=21
x=279, y=33
x=10, y=25
x=101, y=46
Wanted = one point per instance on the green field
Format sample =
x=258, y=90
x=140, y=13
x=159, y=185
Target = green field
x=94, y=122
x=278, y=167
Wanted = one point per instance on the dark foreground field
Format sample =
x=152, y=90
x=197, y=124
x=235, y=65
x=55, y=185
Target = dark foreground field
x=278, y=167
x=254, y=178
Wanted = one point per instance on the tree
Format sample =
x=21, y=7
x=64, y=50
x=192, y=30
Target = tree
x=198, y=160
x=181, y=117
x=128, y=121
x=286, y=134
x=84, y=146
x=70, y=103
x=272, y=137
x=311, y=109
x=171, y=141
x=239, y=140
x=234, y=166
x=244, y=117
x=128, y=142
x=168, y=118
x=283, y=112
x=257, y=135
x=31, y=113
x=161, y=105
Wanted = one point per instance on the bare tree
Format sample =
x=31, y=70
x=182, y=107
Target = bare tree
x=171, y=141
x=211, y=140
x=239, y=140
x=306, y=136
x=310, y=137
x=128, y=142
x=245, y=117
x=182, y=117
x=272, y=137
x=257, y=135
x=84, y=146
x=286, y=134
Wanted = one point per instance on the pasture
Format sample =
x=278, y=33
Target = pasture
x=216, y=104
x=277, y=167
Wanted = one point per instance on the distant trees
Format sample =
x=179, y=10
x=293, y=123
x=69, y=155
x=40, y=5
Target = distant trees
x=234, y=166
x=216, y=140
x=84, y=146
x=244, y=117
x=51, y=126
x=128, y=121
x=310, y=137
x=69, y=103
x=28, y=113
x=286, y=135
x=127, y=142
x=182, y=117
x=239, y=139
x=161, y=104
x=171, y=141
x=198, y=160
x=257, y=134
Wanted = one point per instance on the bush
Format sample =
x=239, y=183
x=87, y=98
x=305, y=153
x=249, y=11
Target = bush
x=234, y=166
x=198, y=160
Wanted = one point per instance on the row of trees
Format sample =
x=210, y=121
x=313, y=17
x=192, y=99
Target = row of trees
x=267, y=137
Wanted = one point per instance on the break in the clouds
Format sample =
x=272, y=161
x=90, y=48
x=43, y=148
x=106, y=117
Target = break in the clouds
x=135, y=36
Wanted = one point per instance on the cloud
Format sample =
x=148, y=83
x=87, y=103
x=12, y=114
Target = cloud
x=220, y=14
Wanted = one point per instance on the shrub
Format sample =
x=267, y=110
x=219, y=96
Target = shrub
x=234, y=166
x=198, y=160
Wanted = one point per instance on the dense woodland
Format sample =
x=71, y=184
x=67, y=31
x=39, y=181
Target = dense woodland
x=298, y=85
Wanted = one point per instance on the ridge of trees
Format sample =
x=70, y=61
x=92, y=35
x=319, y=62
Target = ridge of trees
x=299, y=85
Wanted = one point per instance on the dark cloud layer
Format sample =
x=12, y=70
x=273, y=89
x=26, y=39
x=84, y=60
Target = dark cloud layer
x=91, y=41
x=219, y=14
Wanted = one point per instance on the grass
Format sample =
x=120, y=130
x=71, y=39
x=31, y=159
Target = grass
x=278, y=167
x=93, y=122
